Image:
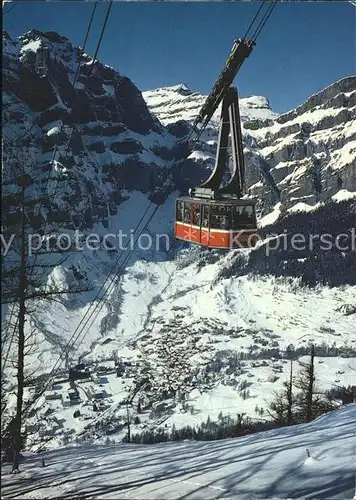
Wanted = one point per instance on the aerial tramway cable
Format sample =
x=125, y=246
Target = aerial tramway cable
x=76, y=334
x=264, y=20
x=257, y=30
x=101, y=36
x=73, y=83
x=254, y=19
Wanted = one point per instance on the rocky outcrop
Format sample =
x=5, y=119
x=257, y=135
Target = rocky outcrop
x=311, y=151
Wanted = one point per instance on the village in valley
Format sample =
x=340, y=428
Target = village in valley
x=162, y=382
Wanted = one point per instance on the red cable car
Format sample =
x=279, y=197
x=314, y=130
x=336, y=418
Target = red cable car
x=218, y=216
x=216, y=223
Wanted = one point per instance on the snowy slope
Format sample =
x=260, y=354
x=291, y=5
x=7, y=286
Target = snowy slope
x=271, y=464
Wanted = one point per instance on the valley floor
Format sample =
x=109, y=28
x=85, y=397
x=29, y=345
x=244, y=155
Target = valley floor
x=271, y=465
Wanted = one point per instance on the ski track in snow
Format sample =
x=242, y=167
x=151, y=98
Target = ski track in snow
x=272, y=464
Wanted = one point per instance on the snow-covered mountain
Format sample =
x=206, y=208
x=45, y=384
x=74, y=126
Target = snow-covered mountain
x=176, y=311
x=273, y=464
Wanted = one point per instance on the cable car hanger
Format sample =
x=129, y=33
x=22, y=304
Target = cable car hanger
x=213, y=215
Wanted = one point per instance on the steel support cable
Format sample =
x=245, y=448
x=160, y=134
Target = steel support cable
x=122, y=267
x=85, y=40
x=101, y=36
x=264, y=20
x=261, y=21
x=47, y=182
x=56, y=368
x=46, y=188
x=75, y=76
x=10, y=8
x=96, y=52
x=254, y=19
x=259, y=27
x=97, y=297
x=255, y=35
x=73, y=84
x=259, y=31
x=76, y=335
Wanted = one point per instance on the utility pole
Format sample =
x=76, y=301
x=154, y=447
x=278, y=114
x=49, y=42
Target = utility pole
x=132, y=393
x=290, y=395
x=21, y=332
x=128, y=423
x=310, y=386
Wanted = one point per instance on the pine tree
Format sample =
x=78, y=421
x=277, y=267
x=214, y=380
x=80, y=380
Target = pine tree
x=281, y=408
x=310, y=404
x=25, y=276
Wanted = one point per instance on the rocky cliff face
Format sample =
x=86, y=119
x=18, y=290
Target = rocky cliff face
x=178, y=106
x=171, y=104
x=311, y=151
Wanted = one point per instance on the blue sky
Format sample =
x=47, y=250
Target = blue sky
x=304, y=47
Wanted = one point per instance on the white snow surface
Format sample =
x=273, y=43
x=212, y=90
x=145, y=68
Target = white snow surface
x=343, y=194
x=302, y=207
x=272, y=217
x=33, y=46
x=159, y=286
x=272, y=464
x=171, y=104
x=156, y=290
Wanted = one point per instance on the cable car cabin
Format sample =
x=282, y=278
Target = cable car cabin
x=216, y=223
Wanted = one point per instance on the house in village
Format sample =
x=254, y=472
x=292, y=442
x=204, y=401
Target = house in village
x=106, y=367
x=48, y=427
x=66, y=401
x=95, y=378
x=32, y=428
x=74, y=397
x=78, y=372
x=52, y=396
x=100, y=394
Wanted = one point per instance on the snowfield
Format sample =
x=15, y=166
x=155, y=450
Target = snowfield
x=272, y=464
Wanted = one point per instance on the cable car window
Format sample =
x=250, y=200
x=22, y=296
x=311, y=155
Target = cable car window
x=220, y=217
x=220, y=209
x=195, y=214
x=205, y=215
x=179, y=211
x=186, y=217
x=243, y=216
